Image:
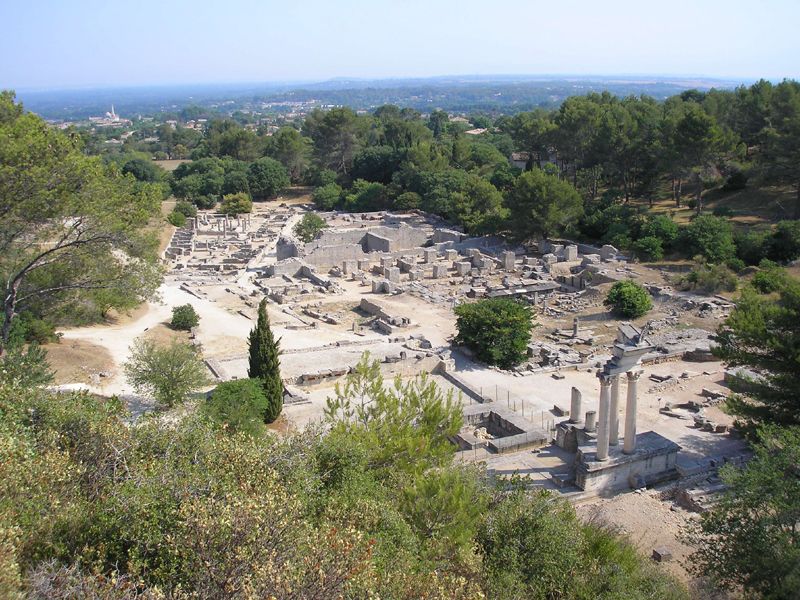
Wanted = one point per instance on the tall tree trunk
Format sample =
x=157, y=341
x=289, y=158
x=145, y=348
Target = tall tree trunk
x=797, y=202
x=699, y=195
x=9, y=303
x=678, y=189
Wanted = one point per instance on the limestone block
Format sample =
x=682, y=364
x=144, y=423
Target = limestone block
x=431, y=254
x=349, y=266
x=509, y=258
x=462, y=267
x=406, y=265
x=393, y=274
x=451, y=255
x=608, y=252
x=439, y=271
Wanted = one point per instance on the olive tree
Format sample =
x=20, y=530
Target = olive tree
x=168, y=373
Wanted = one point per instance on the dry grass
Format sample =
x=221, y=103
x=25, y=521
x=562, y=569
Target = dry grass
x=73, y=361
x=163, y=334
x=750, y=207
x=170, y=165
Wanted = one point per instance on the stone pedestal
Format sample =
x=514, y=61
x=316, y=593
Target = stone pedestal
x=439, y=271
x=653, y=461
x=509, y=259
x=590, y=422
x=462, y=267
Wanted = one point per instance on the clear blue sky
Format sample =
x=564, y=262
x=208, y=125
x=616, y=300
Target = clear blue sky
x=65, y=43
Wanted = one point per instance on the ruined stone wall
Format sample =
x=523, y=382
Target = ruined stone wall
x=331, y=248
x=378, y=243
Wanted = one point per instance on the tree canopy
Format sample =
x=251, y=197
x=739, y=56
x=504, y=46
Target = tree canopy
x=74, y=234
x=542, y=205
x=497, y=330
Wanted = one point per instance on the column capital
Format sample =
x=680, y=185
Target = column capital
x=634, y=374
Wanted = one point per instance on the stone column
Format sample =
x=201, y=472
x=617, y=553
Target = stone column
x=591, y=421
x=575, y=406
x=613, y=428
x=629, y=446
x=603, y=417
x=575, y=327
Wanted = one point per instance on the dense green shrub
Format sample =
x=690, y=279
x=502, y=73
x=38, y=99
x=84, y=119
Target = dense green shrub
x=648, y=248
x=497, y=330
x=184, y=317
x=408, y=201
x=266, y=178
x=205, y=202
x=710, y=237
x=735, y=181
x=770, y=279
x=236, y=204
x=661, y=227
x=187, y=209
x=328, y=196
x=309, y=226
x=629, y=299
x=709, y=278
x=239, y=405
x=753, y=246
x=178, y=219
x=784, y=245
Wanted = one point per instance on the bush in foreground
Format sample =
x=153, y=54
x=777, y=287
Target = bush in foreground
x=240, y=405
x=167, y=373
x=369, y=506
x=496, y=330
x=628, y=299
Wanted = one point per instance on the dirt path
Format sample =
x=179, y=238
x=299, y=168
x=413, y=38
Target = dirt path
x=219, y=332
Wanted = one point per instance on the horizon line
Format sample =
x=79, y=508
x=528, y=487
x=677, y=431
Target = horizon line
x=662, y=77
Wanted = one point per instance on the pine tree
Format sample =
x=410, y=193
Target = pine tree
x=264, y=363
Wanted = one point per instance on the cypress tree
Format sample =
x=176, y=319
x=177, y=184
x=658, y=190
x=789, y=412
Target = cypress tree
x=264, y=363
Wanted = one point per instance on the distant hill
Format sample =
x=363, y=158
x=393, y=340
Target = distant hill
x=495, y=93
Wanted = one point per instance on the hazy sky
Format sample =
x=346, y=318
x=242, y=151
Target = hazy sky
x=65, y=43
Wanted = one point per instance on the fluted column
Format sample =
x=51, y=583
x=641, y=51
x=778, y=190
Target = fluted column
x=603, y=417
x=629, y=446
x=613, y=428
